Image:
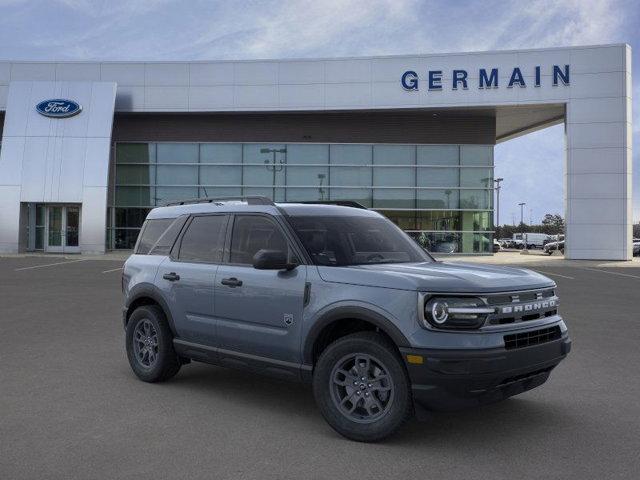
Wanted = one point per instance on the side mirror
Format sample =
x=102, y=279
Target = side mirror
x=272, y=260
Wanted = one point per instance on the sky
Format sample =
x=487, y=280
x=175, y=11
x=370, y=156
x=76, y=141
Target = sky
x=532, y=165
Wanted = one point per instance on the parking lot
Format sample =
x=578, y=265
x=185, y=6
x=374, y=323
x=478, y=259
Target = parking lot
x=71, y=408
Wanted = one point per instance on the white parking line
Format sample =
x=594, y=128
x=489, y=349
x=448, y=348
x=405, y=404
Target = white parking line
x=612, y=273
x=113, y=270
x=555, y=274
x=49, y=265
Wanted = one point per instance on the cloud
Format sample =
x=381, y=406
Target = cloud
x=251, y=29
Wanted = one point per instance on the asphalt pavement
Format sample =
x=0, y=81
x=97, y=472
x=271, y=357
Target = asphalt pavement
x=70, y=408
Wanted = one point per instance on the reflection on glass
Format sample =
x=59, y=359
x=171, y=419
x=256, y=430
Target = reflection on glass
x=403, y=179
x=55, y=227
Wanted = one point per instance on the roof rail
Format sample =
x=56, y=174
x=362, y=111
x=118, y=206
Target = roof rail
x=341, y=203
x=250, y=199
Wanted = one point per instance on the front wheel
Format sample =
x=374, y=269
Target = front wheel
x=361, y=387
x=150, y=345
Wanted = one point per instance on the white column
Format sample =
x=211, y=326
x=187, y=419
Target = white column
x=598, y=172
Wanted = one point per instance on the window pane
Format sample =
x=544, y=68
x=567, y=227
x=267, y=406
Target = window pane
x=438, y=220
x=307, y=194
x=135, y=153
x=476, y=177
x=438, y=198
x=135, y=174
x=263, y=172
x=124, y=239
x=360, y=195
x=165, y=195
x=130, y=217
x=204, y=239
x=177, y=175
x=476, y=199
x=476, y=155
x=351, y=154
x=393, y=198
x=221, y=153
x=253, y=233
x=438, y=177
x=177, y=152
x=477, y=242
x=135, y=196
x=438, y=155
x=151, y=233
x=220, y=175
x=394, y=176
x=474, y=221
x=309, y=175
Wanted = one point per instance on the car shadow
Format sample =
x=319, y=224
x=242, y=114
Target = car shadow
x=473, y=427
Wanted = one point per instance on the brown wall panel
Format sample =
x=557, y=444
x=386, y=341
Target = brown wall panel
x=316, y=127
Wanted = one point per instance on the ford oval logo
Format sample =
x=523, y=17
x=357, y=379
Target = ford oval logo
x=58, y=108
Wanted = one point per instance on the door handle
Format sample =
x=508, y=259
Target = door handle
x=172, y=277
x=231, y=282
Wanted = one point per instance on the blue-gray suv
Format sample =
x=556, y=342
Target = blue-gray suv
x=340, y=297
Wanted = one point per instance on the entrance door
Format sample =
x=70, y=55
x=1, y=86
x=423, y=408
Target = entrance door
x=62, y=229
x=54, y=230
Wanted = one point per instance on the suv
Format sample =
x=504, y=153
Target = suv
x=339, y=297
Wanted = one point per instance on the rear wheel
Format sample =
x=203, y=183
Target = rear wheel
x=362, y=388
x=150, y=345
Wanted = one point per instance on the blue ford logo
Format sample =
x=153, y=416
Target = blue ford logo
x=58, y=108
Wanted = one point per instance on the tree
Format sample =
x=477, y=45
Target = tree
x=553, y=220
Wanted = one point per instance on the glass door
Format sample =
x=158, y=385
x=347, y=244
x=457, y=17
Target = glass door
x=72, y=229
x=62, y=229
x=55, y=229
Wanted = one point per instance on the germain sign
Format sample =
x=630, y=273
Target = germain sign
x=487, y=78
x=58, y=108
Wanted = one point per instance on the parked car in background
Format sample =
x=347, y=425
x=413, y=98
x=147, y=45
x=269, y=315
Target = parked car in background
x=551, y=247
x=496, y=246
x=506, y=243
x=636, y=247
x=532, y=240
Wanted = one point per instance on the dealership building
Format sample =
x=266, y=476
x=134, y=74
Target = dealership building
x=88, y=148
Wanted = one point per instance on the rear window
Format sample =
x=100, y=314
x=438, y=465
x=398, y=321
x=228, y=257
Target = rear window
x=151, y=232
x=168, y=238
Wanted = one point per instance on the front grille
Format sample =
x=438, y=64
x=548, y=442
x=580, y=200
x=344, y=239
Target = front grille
x=535, y=337
x=522, y=306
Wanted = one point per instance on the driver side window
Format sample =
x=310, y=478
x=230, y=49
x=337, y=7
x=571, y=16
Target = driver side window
x=252, y=233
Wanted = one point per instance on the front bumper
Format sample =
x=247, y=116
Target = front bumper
x=455, y=379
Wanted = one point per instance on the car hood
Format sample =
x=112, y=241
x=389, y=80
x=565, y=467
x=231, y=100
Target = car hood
x=437, y=277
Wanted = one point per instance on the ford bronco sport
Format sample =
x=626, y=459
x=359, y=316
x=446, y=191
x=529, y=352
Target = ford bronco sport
x=340, y=297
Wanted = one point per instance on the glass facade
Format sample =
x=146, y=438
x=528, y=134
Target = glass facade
x=442, y=195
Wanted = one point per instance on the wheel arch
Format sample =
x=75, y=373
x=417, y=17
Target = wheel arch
x=146, y=294
x=330, y=320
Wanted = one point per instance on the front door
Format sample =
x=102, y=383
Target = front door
x=62, y=229
x=259, y=312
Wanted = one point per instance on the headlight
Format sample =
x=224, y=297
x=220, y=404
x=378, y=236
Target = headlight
x=455, y=312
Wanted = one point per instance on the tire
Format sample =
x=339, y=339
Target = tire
x=160, y=361
x=388, y=403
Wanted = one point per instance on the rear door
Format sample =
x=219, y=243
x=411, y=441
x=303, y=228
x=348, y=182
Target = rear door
x=259, y=312
x=187, y=277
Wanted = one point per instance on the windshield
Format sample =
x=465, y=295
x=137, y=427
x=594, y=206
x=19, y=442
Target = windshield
x=344, y=240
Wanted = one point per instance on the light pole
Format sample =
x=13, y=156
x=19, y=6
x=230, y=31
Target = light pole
x=524, y=239
x=273, y=165
x=522, y=212
x=498, y=187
